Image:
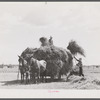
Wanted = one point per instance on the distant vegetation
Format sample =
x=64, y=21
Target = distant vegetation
x=8, y=66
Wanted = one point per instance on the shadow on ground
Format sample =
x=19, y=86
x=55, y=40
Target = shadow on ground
x=18, y=82
x=13, y=82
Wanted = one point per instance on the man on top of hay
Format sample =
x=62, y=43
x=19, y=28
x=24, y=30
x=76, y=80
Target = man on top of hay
x=80, y=65
x=51, y=40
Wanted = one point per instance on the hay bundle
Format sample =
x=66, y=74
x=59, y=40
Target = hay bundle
x=58, y=59
x=54, y=67
x=67, y=66
x=75, y=48
x=51, y=53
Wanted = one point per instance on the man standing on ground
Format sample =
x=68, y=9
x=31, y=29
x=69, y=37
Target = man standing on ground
x=80, y=65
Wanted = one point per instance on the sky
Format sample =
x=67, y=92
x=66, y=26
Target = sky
x=23, y=23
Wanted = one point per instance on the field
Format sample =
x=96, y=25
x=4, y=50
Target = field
x=8, y=80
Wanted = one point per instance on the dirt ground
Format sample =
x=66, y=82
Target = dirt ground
x=8, y=80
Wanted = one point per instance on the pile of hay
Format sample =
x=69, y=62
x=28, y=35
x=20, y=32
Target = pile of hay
x=58, y=59
x=75, y=48
x=51, y=53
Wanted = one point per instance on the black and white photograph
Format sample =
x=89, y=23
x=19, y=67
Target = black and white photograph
x=50, y=45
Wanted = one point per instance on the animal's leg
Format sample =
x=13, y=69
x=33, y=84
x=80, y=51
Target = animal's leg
x=42, y=78
x=26, y=77
x=21, y=77
x=29, y=77
x=45, y=78
x=45, y=74
x=59, y=77
x=33, y=78
x=38, y=77
x=52, y=78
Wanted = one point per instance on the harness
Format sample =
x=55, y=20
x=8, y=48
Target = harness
x=24, y=67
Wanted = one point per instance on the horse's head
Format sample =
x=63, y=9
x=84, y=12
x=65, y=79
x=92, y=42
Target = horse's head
x=32, y=62
x=22, y=61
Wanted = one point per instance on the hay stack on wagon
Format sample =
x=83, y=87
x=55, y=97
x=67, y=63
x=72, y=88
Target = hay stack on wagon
x=59, y=61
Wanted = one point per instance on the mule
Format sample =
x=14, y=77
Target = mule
x=38, y=69
x=24, y=69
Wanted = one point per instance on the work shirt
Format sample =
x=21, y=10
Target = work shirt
x=79, y=64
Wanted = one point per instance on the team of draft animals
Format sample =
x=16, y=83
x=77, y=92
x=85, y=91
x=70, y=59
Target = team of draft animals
x=35, y=70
